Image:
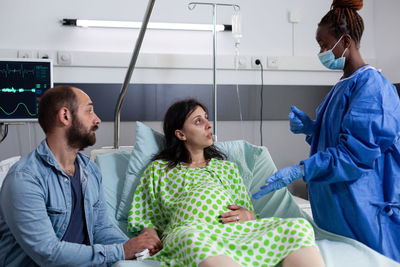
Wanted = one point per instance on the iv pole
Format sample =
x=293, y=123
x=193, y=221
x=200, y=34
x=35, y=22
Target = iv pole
x=192, y=6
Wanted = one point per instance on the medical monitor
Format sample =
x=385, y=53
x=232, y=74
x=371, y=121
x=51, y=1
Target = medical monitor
x=22, y=83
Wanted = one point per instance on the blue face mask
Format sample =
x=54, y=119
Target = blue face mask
x=327, y=58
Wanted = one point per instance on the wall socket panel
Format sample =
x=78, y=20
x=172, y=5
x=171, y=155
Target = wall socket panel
x=25, y=54
x=64, y=58
x=45, y=54
x=272, y=62
x=262, y=60
x=41, y=54
x=241, y=62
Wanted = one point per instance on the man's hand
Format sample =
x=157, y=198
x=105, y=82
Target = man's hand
x=147, y=239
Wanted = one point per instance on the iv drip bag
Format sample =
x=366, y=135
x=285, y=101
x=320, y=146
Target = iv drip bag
x=236, y=26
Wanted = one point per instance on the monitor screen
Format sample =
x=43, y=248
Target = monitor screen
x=22, y=83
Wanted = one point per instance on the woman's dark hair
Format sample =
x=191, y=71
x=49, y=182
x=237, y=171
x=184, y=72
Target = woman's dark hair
x=175, y=150
x=344, y=19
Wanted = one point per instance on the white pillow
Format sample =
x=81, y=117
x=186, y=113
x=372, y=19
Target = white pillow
x=148, y=143
x=5, y=165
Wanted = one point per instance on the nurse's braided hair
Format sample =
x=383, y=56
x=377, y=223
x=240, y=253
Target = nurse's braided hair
x=344, y=19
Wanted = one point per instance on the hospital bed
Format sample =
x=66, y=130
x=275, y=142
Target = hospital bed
x=122, y=168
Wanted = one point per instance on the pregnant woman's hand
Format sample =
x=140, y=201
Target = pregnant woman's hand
x=237, y=214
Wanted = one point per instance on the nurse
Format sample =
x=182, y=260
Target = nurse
x=353, y=172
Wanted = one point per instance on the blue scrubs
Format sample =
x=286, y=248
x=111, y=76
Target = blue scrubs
x=354, y=166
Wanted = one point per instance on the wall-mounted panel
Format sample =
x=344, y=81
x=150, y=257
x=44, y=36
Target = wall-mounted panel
x=149, y=102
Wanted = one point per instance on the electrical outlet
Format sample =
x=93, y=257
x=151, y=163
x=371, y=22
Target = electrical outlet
x=25, y=54
x=273, y=62
x=241, y=62
x=64, y=58
x=45, y=54
x=253, y=62
x=295, y=16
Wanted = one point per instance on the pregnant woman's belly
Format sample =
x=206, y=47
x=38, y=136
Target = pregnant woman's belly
x=203, y=202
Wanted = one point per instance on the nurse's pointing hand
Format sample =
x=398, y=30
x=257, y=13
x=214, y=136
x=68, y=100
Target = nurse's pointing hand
x=280, y=179
x=300, y=122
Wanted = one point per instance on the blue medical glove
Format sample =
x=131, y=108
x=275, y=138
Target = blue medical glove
x=280, y=179
x=300, y=122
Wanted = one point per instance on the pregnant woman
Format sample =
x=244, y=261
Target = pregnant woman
x=198, y=204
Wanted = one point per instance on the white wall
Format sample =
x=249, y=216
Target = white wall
x=266, y=32
x=387, y=38
x=35, y=26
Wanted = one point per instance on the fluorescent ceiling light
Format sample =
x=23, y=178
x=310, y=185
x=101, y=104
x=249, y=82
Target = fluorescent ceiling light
x=151, y=25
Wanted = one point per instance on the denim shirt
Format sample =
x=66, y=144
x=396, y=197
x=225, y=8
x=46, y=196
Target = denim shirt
x=35, y=210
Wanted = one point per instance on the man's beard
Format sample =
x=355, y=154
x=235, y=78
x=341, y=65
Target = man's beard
x=77, y=137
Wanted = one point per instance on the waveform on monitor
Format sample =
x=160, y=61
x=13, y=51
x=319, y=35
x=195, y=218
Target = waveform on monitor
x=19, y=90
x=12, y=112
x=21, y=71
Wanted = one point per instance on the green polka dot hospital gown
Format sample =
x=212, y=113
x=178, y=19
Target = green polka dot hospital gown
x=183, y=205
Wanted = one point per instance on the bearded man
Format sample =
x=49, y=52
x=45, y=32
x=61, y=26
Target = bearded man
x=52, y=206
